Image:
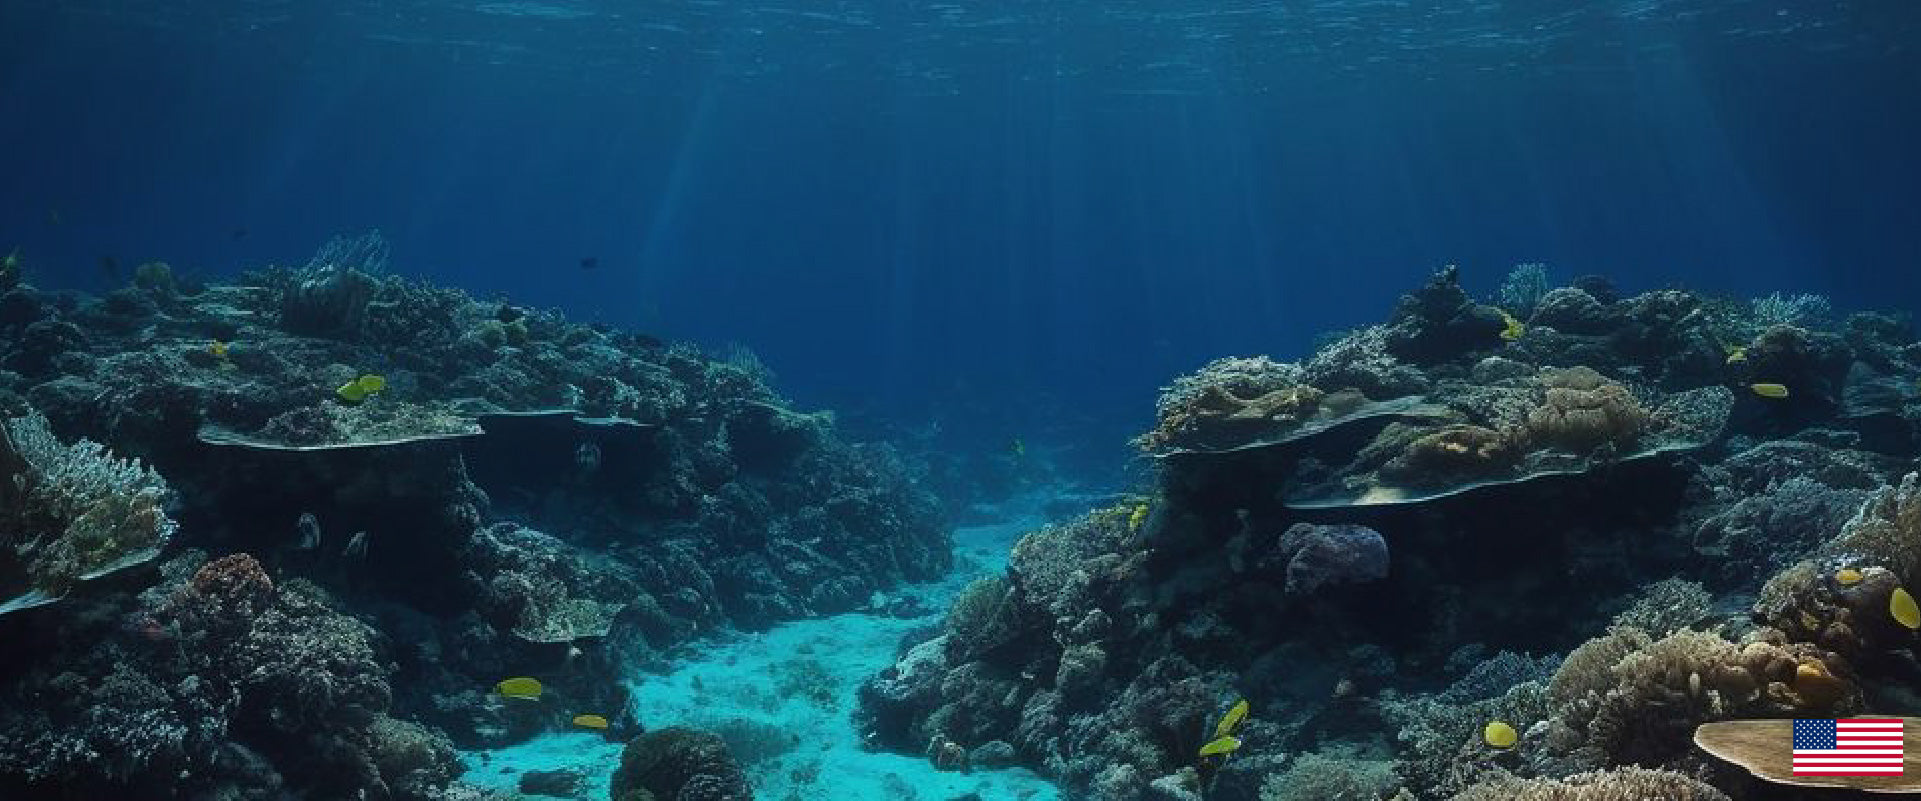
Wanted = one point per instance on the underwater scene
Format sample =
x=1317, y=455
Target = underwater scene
x=837, y=400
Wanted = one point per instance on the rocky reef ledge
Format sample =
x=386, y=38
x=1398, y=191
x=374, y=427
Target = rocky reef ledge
x=283, y=537
x=1513, y=549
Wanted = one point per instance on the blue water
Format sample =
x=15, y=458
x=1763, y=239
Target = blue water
x=795, y=745
x=904, y=205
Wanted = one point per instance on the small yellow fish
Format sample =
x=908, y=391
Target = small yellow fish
x=1901, y=605
x=1776, y=391
x=1512, y=328
x=1225, y=744
x=360, y=388
x=1231, y=722
x=590, y=721
x=1847, y=577
x=218, y=349
x=1500, y=735
x=1737, y=355
x=520, y=687
x=1135, y=520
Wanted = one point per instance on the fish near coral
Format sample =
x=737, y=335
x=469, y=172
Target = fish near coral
x=1847, y=577
x=1499, y=734
x=1737, y=355
x=1221, y=746
x=1902, y=607
x=361, y=388
x=1774, y=391
x=1232, y=721
x=1511, y=328
x=590, y=721
x=520, y=687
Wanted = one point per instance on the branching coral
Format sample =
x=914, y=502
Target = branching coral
x=1523, y=288
x=1618, y=784
x=75, y=511
x=1322, y=777
x=1637, y=700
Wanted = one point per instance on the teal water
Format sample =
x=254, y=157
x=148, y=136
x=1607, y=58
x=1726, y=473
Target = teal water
x=784, y=699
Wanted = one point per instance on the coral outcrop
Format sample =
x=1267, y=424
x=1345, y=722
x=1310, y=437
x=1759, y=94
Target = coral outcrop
x=1531, y=468
x=495, y=490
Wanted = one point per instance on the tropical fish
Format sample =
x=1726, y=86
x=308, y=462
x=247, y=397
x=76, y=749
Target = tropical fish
x=1134, y=522
x=520, y=687
x=218, y=349
x=1232, y=721
x=1847, y=577
x=1901, y=605
x=1512, y=328
x=360, y=388
x=308, y=527
x=1221, y=746
x=1500, y=735
x=590, y=721
x=1776, y=391
x=1737, y=355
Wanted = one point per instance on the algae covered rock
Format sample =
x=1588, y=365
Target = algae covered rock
x=679, y=764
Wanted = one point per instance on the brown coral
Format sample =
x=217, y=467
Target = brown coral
x=1453, y=454
x=1638, y=700
x=1582, y=412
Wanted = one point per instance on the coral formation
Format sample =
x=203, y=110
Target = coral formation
x=678, y=764
x=1531, y=468
x=365, y=438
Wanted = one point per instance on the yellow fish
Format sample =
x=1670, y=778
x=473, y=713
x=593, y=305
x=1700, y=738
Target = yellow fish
x=218, y=349
x=1500, y=735
x=1226, y=744
x=1737, y=355
x=1901, y=605
x=590, y=721
x=1847, y=577
x=1776, y=391
x=520, y=687
x=1513, y=329
x=1231, y=722
x=360, y=388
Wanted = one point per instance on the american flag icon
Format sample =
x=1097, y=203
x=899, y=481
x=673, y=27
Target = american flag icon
x=1848, y=747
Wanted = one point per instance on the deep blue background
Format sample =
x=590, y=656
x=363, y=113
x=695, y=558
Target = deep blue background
x=1059, y=209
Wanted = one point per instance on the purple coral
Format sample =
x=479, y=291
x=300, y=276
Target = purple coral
x=1317, y=556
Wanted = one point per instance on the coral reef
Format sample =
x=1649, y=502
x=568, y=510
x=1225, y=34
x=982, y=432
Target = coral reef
x=433, y=493
x=1529, y=469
